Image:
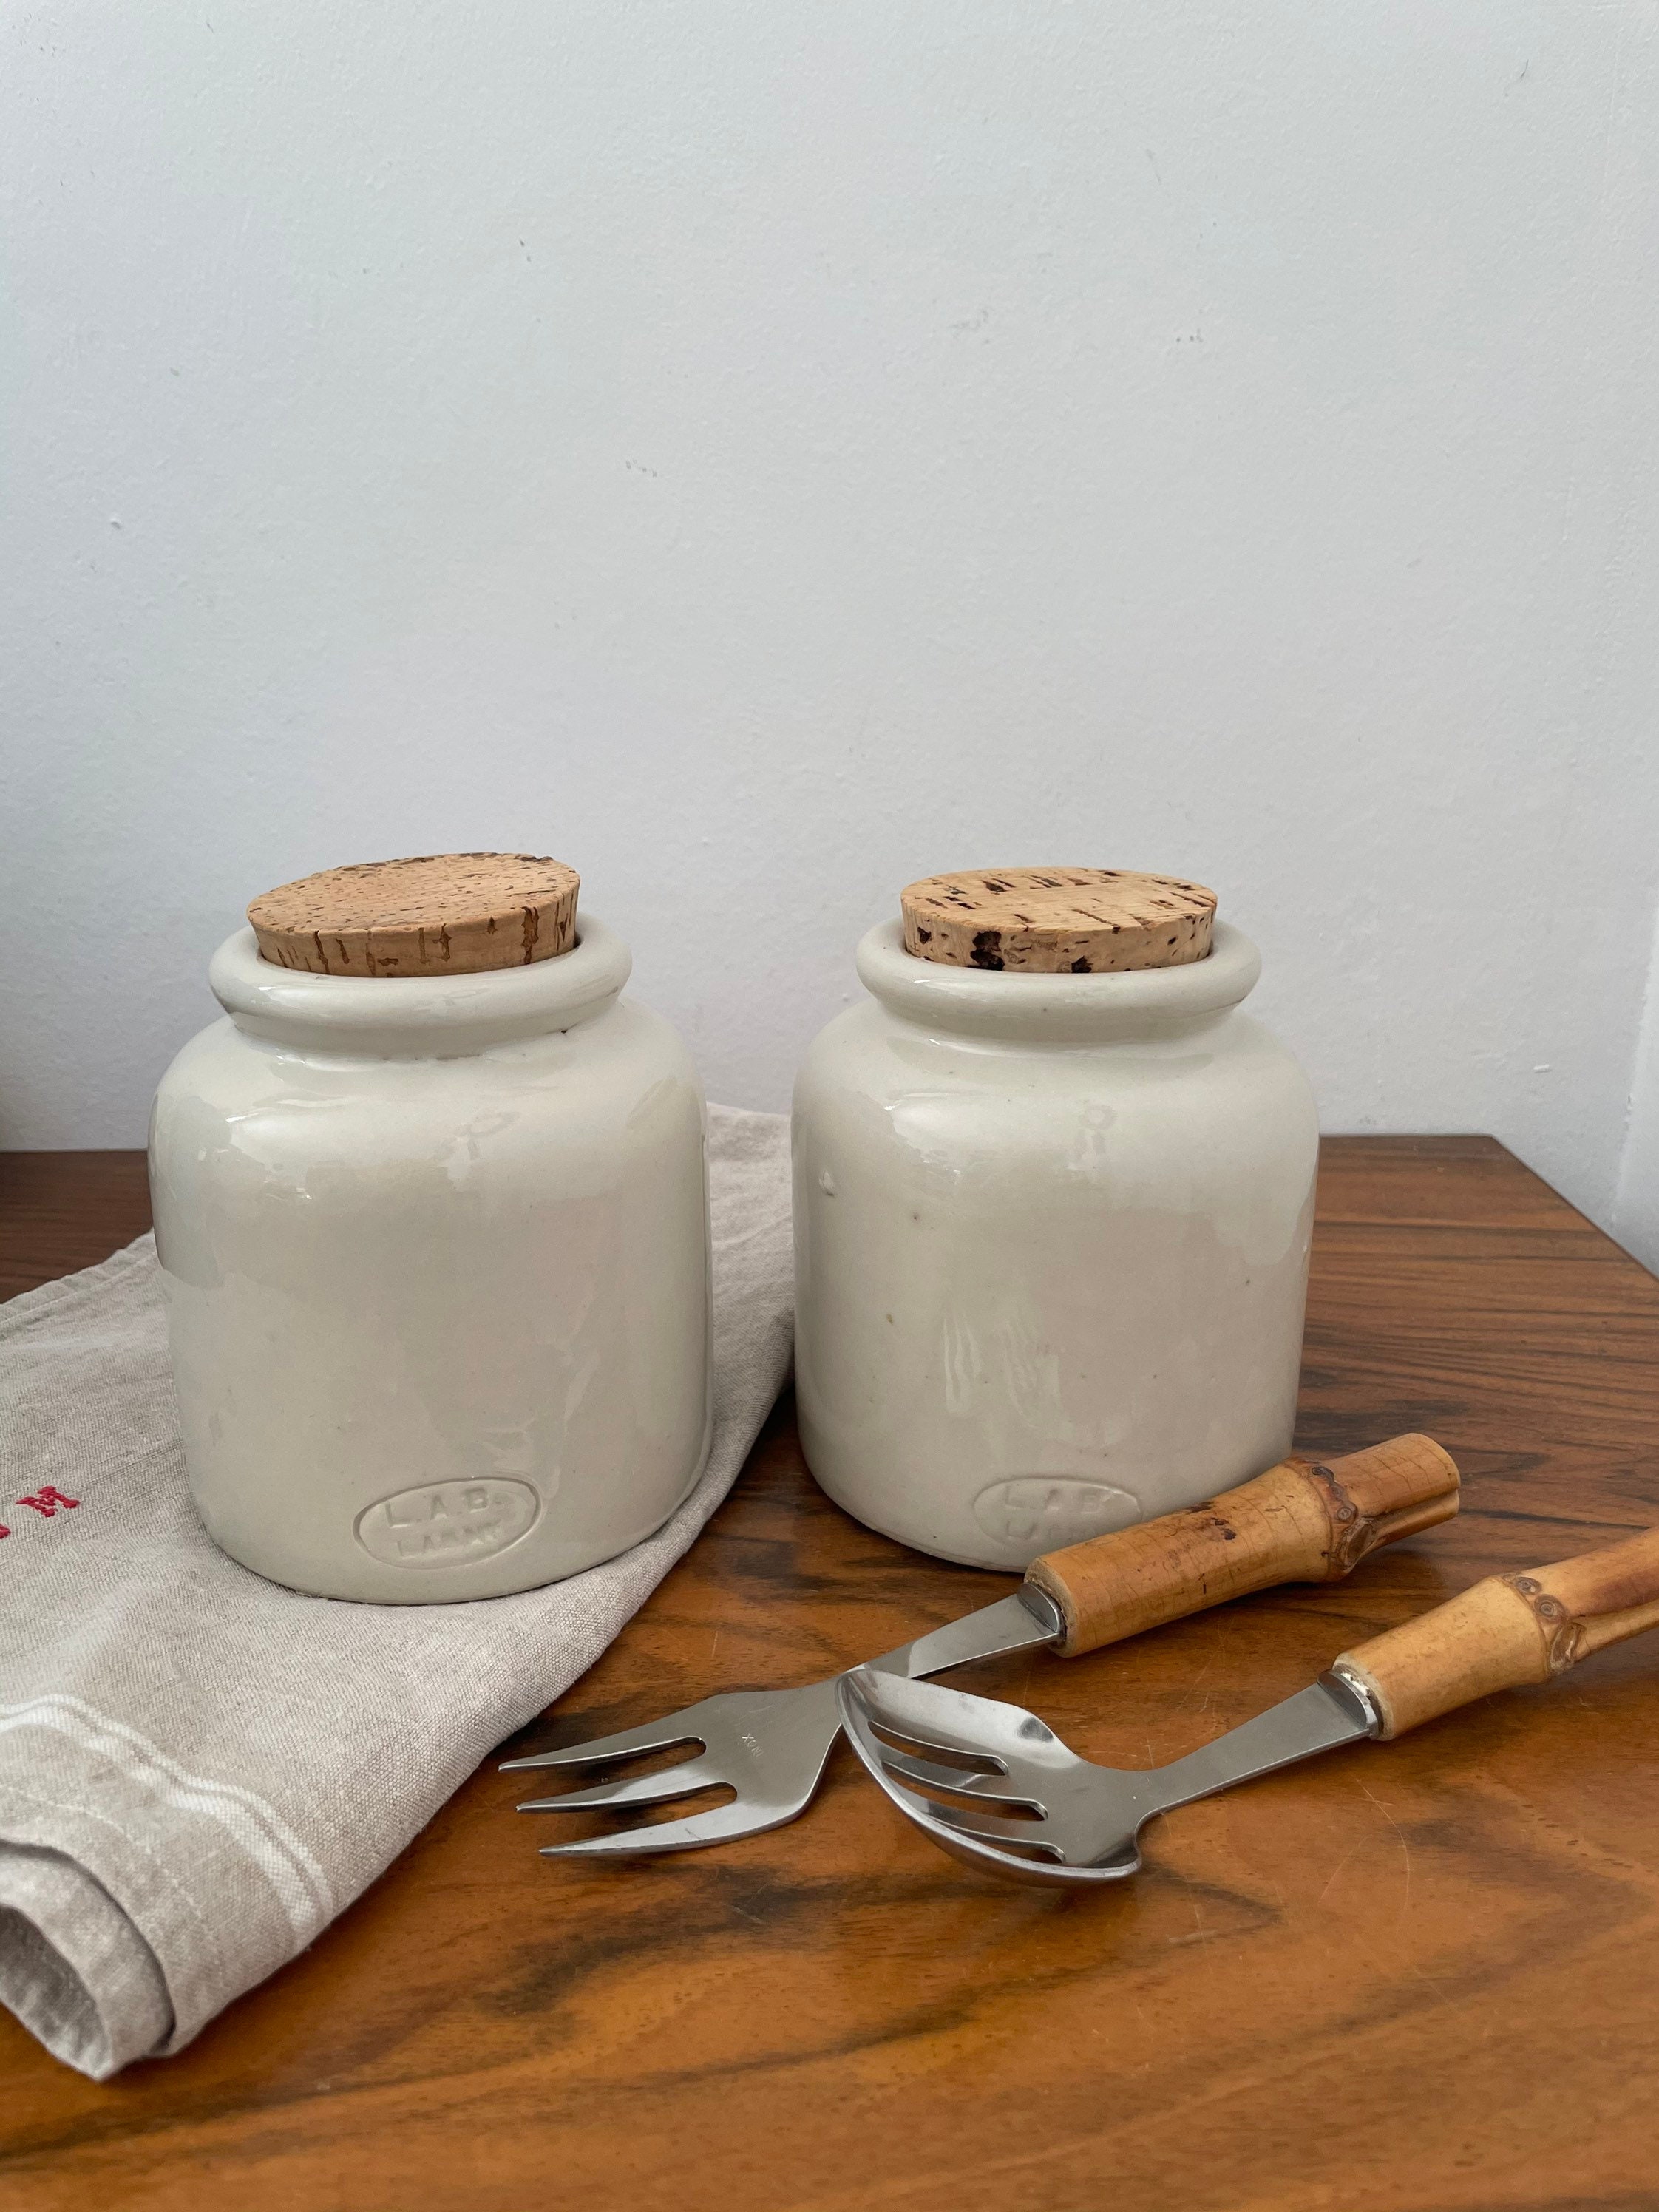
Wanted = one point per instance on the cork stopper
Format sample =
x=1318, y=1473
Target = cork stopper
x=1055, y=921
x=449, y=914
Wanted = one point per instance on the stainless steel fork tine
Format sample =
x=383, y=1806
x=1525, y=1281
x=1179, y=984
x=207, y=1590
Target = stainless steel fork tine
x=992, y=1788
x=986, y=1826
x=716, y=1825
x=985, y=1764
x=768, y=1747
x=895, y=1710
x=654, y=1736
x=693, y=1774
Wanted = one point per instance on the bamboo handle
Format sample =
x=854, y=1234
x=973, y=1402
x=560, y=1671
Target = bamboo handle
x=1506, y=1631
x=1301, y=1521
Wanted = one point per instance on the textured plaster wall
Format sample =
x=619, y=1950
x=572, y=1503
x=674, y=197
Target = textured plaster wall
x=762, y=454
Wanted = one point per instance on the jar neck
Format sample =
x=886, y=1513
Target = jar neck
x=418, y=1017
x=1033, y=1010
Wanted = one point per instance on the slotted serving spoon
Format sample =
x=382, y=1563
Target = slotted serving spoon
x=1302, y=1520
x=995, y=1787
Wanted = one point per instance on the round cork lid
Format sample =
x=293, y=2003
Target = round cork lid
x=1054, y=921
x=449, y=914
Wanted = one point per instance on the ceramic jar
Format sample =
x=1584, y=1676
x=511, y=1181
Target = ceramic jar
x=435, y=1253
x=1052, y=1234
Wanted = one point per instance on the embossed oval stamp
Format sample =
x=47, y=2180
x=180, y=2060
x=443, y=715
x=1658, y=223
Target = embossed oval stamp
x=1047, y=1510
x=440, y=1524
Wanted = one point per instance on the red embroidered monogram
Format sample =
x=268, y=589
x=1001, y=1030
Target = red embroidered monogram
x=48, y=1500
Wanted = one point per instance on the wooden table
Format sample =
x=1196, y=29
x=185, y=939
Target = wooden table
x=1423, y=1975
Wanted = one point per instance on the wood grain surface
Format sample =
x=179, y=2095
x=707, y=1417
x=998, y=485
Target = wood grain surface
x=62, y=1211
x=1419, y=1976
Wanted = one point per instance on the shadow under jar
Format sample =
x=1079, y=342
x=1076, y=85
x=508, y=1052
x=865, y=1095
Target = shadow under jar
x=433, y=1236
x=1054, y=1199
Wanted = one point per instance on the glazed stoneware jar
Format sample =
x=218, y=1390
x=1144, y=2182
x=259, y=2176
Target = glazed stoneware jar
x=432, y=1215
x=1054, y=1195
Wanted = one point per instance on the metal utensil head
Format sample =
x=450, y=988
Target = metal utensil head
x=991, y=1784
x=768, y=1747
x=995, y=1787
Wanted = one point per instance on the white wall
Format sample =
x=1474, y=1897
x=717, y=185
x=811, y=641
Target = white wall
x=762, y=453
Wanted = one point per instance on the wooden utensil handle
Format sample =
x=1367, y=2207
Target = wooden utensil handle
x=1508, y=1629
x=1303, y=1521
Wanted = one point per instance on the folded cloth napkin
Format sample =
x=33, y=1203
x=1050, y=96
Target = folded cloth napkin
x=183, y=1745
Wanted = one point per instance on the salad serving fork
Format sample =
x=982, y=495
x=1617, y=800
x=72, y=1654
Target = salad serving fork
x=992, y=1785
x=1302, y=1520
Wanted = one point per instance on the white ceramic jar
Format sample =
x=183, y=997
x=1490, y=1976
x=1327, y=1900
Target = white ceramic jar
x=435, y=1251
x=1052, y=1235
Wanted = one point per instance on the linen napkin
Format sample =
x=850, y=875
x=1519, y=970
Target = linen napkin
x=184, y=1746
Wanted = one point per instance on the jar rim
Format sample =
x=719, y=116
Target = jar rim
x=1063, y=1009
x=419, y=1017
